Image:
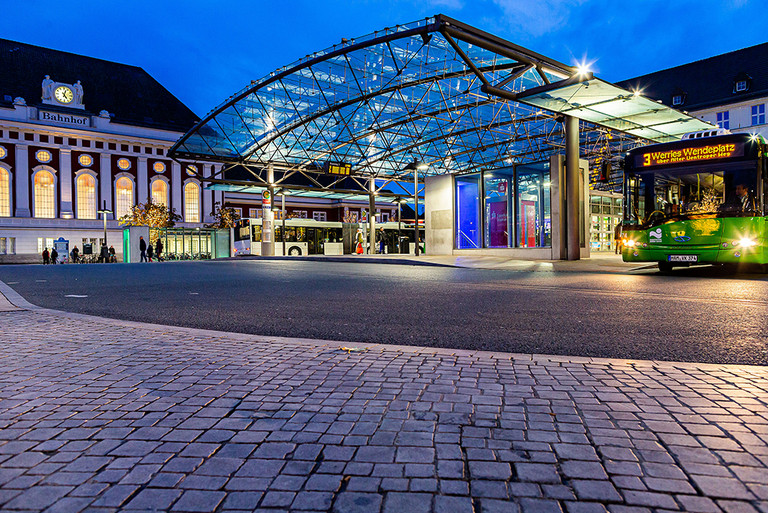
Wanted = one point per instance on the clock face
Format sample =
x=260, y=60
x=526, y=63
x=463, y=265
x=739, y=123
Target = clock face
x=63, y=94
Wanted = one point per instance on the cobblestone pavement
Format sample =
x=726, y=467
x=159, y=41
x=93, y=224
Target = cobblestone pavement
x=104, y=415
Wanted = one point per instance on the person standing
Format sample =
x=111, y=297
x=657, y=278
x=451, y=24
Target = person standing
x=46, y=257
x=159, y=250
x=150, y=252
x=143, y=249
x=54, y=256
x=617, y=238
x=112, y=257
x=75, y=254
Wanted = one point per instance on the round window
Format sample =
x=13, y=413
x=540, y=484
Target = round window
x=85, y=160
x=43, y=156
x=191, y=170
x=3, y=153
x=159, y=167
x=124, y=164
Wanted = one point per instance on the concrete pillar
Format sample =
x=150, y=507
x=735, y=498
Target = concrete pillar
x=105, y=181
x=207, y=196
x=176, y=188
x=268, y=219
x=572, y=187
x=559, y=207
x=438, y=214
x=372, y=216
x=142, y=178
x=21, y=180
x=65, y=183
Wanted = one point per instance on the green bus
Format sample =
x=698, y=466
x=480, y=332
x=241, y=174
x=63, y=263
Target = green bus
x=700, y=200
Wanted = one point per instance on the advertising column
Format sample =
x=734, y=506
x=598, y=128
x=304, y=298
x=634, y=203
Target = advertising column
x=267, y=225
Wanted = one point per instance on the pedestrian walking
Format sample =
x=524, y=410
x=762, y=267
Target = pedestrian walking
x=103, y=255
x=159, y=250
x=150, y=252
x=54, y=256
x=46, y=257
x=75, y=255
x=112, y=257
x=143, y=249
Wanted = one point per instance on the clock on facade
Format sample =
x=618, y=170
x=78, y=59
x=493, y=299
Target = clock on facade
x=63, y=94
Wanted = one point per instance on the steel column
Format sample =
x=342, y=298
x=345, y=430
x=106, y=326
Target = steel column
x=372, y=216
x=416, y=210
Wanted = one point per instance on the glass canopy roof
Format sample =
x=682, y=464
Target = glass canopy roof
x=417, y=92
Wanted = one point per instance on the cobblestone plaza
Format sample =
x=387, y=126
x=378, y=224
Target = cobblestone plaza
x=140, y=417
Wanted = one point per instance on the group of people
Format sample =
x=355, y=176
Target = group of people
x=148, y=252
x=52, y=257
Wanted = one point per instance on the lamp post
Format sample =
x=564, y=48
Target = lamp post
x=416, y=165
x=104, y=213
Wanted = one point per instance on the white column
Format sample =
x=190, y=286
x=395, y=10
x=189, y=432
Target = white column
x=65, y=183
x=176, y=186
x=207, y=196
x=143, y=181
x=105, y=181
x=21, y=179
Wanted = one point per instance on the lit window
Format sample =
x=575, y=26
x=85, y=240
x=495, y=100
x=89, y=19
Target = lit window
x=5, y=193
x=86, y=196
x=124, y=194
x=45, y=197
x=3, y=152
x=85, y=160
x=192, y=203
x=254, y=212
x=758, y=114
x=723, y=120
x=124, y=164
x=191, y=170
x=159, y=167
x=160, y=192
x=43, y=156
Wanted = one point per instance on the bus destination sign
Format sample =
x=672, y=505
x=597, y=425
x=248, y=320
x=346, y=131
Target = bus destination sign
x=338, y=168
x=693, y=154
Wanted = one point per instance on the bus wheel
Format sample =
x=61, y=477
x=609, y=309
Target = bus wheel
x=294, y=251
x=665, y=267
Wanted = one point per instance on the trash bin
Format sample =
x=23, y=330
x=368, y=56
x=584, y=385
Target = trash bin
x=404, y=243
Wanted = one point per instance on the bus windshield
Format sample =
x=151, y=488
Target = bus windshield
x=724, y=190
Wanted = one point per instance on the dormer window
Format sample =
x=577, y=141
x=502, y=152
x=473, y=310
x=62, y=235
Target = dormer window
x=678, y=99
x=741, y=83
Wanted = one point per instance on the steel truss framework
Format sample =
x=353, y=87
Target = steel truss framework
x=380, y=102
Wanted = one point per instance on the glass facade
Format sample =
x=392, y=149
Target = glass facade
x=468, y=229
x=605, y=215
x=504, y=208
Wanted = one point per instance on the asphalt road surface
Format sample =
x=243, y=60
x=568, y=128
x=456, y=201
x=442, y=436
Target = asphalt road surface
x=698, y=315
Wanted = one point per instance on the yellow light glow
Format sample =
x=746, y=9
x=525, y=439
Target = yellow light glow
x=746, y=242
x=630, y=243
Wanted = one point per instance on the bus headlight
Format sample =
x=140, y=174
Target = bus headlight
x=746, y=242
x=630, y=243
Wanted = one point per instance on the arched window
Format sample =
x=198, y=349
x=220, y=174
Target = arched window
x=45, y=194
x=124, y=196
x=160, y=192
x=192, y=203
x=86, y=196
x=5, y=193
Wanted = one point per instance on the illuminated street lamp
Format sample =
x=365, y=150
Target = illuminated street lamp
x=104, y=213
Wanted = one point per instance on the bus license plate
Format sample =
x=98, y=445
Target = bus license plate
x=683, y=258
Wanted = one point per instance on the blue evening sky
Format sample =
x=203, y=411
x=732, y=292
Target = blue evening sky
x=205, y=50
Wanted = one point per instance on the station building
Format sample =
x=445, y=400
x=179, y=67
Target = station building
x=729, y=90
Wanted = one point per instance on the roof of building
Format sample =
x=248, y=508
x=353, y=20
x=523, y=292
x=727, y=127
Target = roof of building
x=708, y=82
x=128, y=92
